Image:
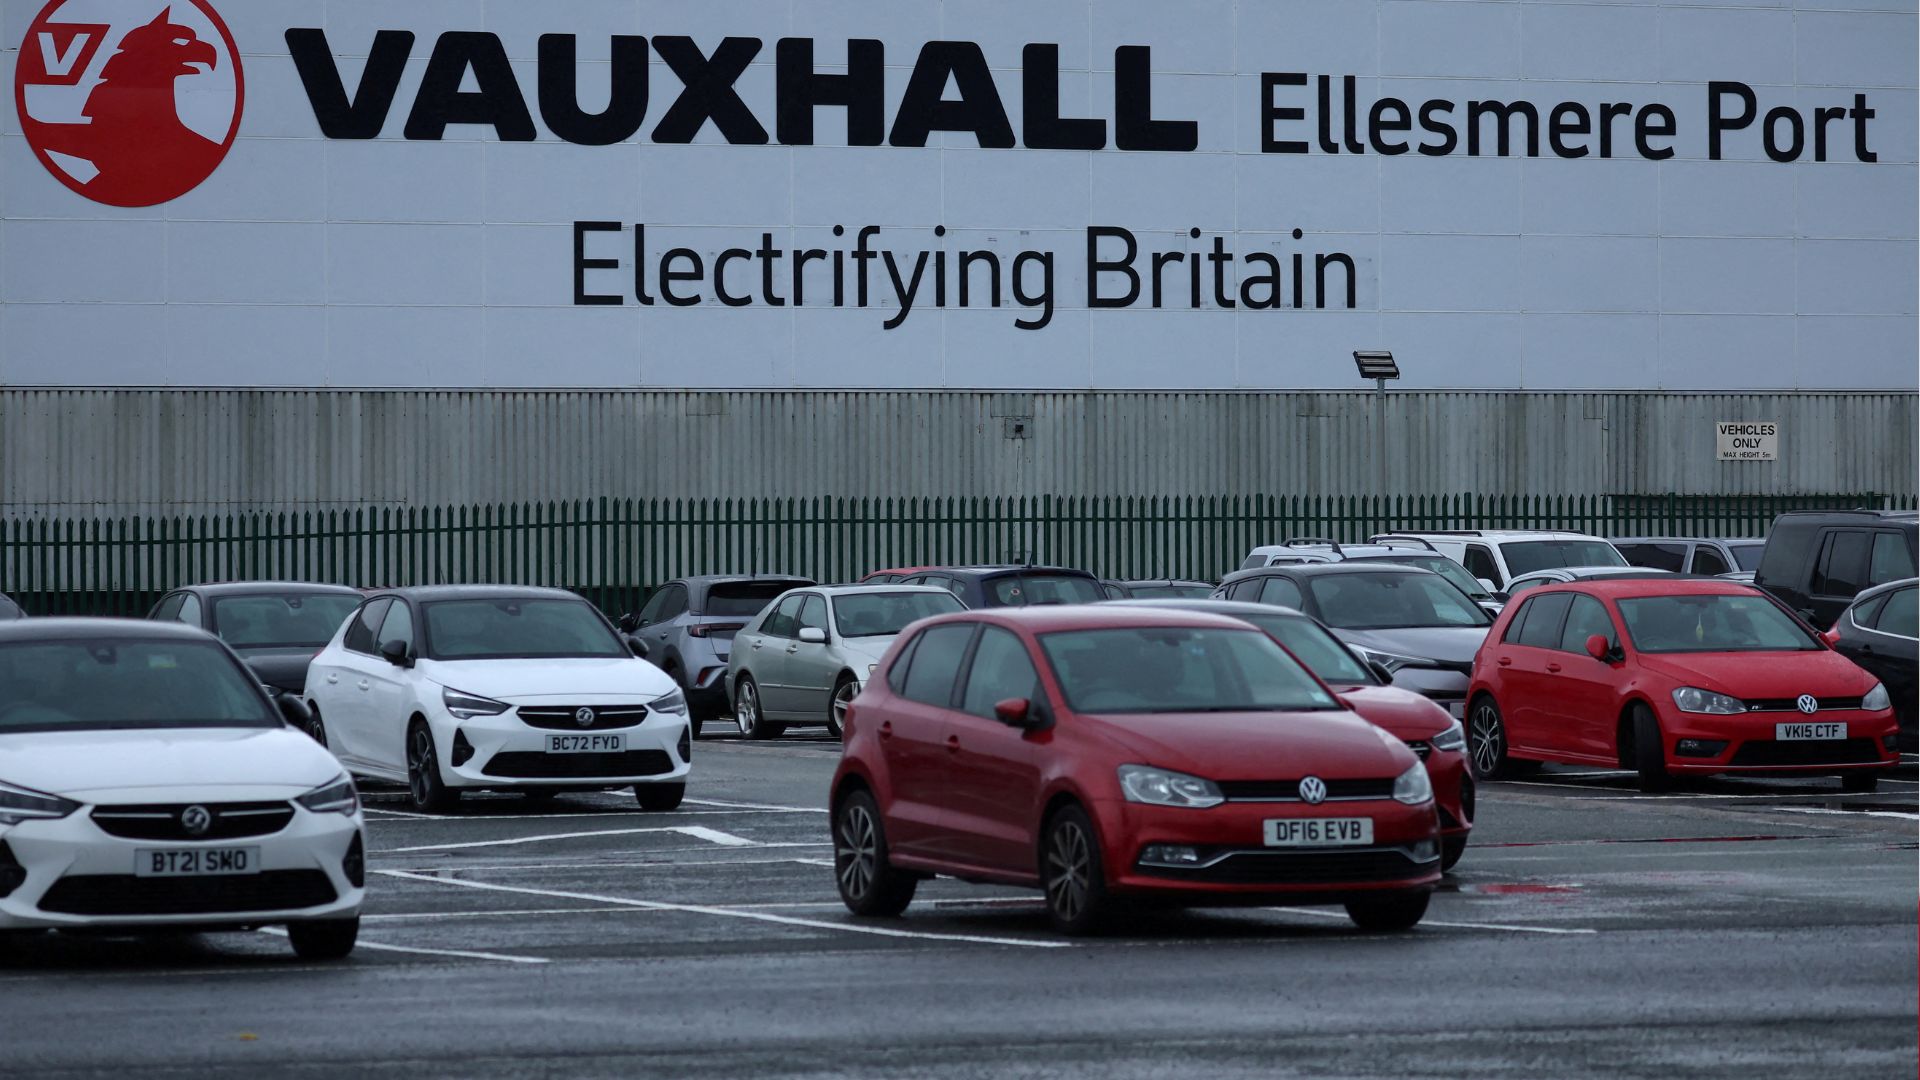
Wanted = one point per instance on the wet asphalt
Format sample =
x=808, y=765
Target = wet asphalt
x=1730, y=929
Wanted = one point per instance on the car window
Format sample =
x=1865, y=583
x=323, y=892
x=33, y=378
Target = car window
x=1113, y=592
x=886, y=614
x=1381, y=601
x=1897, y=615
x=1658, y=556
x=1867, y=611
x=168, y=608
x=897, y=674
x=936, y=663
x=1443, y=566
x=1842, y=564
x=1890, y=561
x=1544, y=616
x=813, y=613
x=1586, y=618
x=785, y=620
x=1526, y=556
x=745, y=597
x=1020, y=590
x=1195, y=591
x=1325, y=655
x=1712, y=623
x=121, y=684
x=360, y=634
x=650, y=611
x=1281, y=592
x=396, y=627
x=673, y=603
x=1479, y=562
x=1747, y=555
x=1706, y=560
x=281, y=621
x=189, y=610
x=1143, y=670
x=516, y=628
x=1520, y=585
x=1001, y=670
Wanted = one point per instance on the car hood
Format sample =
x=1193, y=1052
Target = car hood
x=216, y=764
x=285, y=669
x=1449, y=644
x=1259, y=745
x=1404, y=713
x=1752, y=675
x=534, y=680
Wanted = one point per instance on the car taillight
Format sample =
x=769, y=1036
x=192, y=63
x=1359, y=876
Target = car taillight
x=709, y=629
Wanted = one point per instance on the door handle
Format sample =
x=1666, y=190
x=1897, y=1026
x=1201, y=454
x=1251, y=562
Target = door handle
x=886, y=729
x=759, y=645
x=1505, y=661
x=953, y=744
x=363, y=684
x=1555, y=668
x=794, y=648
x=333, y=677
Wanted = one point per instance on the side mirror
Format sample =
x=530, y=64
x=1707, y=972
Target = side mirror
x=1489, y=586
x=638, y=647
x=294, y=711
x=1015, y=712
x=396, y=653
x=813, y=635
x=629, y=623
x=1601, y=649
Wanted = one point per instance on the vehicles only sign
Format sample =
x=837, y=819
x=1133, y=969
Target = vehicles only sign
x=1748, y=440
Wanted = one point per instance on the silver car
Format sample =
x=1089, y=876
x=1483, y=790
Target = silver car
x=805, y=657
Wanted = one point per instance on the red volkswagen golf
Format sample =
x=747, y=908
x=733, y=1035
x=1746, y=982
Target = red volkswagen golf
x=1105, y=753
x=1673, y=677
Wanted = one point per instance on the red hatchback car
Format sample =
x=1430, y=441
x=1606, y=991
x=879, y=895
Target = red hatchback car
x=1671, y=677
x=1103, y=754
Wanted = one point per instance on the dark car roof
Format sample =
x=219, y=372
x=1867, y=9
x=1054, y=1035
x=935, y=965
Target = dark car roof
x=255, y=588
x=1053, y=617
x=1804, y=516
x=75, y=629
x=704, y=580
x=428, y=593
x=1002, y=571
x=1686, y=540
x=1156, y=582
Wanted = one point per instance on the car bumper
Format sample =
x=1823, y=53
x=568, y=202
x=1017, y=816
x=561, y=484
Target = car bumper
x=79, y=876
x=1453, y=791
x=1237, y=866
x=506, y=752
x=1750, y=746
x=1444, y=687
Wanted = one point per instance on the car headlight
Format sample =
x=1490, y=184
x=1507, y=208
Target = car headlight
x=467, y=706
x=1391, y=661
x=1159, y=787
x=1412, y=787
x=1692, y=699
x=1876, y=699
x=18, y=804
x=1454, y=738
x=674, y=704
x=336, y=796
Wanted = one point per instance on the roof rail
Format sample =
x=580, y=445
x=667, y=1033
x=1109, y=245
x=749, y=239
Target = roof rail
x=1314, y=541
x=1391, y=541
x=1430, y=532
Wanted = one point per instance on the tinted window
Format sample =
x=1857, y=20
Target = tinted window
x=1897, y=615
x=1325, y=655
x=1172, y=592
x=360, y=635
x=1747, y=555
x=515, y=628
x=785, y=619
x=280, y=621
x=1280, y=591
x=1384, y=601
x=190, y=610
x=1866, y=613
x=1479, y=562
x=886, y=614
x=1020, y=590
x=650, y=612
x=813, y=613
x=1443, y=566
x=1544, y=615
x=1708, y=561
x=936, y=662
x=1890, y=561
x=1526, y=556
x=897, y=674
x=397, y=627
x=60, y=685
x=1842, y=564
x=1659, y=556
x=1519, y=586
x=1681, y=624
x=1586, y=618
x=168, y=610
x=745, y=597
x=1179, y=670
x=672, y=604
x=1001, y=670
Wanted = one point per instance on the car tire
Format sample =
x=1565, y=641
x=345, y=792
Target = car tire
x=868, y=883
x=1451, y=848
x=1390, y=911
x=659, y=798
x=1649, y=753
x=426, y=788
x=749, y=715
x=844, y=692
x=1487, y=739
x=1073, y=875
x=316, y=728
x=1860, y=783
x=324, y=939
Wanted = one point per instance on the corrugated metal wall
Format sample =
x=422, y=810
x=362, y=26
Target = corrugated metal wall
x=69, y=452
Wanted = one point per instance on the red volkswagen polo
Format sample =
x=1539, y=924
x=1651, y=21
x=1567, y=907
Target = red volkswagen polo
x=1106, y=753
x=1672, y=677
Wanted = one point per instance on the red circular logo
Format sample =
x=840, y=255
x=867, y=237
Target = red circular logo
x=129, y=102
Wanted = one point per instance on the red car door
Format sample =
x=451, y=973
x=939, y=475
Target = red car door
x=995, y=769
x=913, y=731
x=1526, y=686
x=1585, y=697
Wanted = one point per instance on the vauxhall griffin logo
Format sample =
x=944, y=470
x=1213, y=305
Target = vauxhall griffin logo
x=583, y=716
x=196, y=820
x=129, y=102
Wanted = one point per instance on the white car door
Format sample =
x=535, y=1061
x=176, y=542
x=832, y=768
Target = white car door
x=346, y=687
x=390, y=690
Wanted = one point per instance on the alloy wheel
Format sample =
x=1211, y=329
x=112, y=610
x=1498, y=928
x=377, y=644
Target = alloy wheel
x=1486, y=737
x=1068, y=864
x=746, y=712
x=857, y=851
x=419, y=761
x=842, y=701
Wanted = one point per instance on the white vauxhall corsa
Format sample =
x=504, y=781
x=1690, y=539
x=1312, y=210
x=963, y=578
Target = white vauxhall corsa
x=147, y=783
x=459, y=687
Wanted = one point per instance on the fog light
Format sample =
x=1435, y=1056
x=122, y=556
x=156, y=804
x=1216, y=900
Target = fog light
x=12, y=874
x=1170, y=855
x=1426, y=851
x=1893, y=742
x=686, y=744
x=462, y=749
x=1467, y=795
x=354, y=866
x=1699, y=747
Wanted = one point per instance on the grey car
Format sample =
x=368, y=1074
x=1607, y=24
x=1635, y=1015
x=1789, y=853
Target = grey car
x=688, y=625
x=1692, y=555
x=805, y=658
x=1560, y=575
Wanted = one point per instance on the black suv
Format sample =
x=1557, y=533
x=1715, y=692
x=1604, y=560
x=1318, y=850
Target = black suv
x=1816, y=562
x=1013, y=586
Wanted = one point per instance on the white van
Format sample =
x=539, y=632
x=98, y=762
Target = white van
x=1496, y=557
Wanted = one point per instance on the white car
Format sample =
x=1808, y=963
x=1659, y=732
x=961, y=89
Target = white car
x=147, y=783
x=462, y=687
x=1496, y=557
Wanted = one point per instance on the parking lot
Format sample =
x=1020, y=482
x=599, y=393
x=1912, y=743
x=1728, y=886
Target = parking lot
x=1734, y=928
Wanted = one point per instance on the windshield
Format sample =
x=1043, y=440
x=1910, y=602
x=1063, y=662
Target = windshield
x=1446, y=568
x=746, y=597
x=1178, y=670
x=1747, y=556
x=886, y=614
x=1323, y=653
x=281, y=621
x=1525, y=557
x=119, y=684
x=1169, y=592
x=1020, y=590
x=1694, y=624
x=1392, y=601
x=508, y=629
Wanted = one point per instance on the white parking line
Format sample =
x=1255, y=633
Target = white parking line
x=1637, y=796
x=698, y=832
x=655, y=864
x=569, y=815
x=1453, y=925
x=758, y=916
x=759, y=806
x=460, y=953
x=1848, y=813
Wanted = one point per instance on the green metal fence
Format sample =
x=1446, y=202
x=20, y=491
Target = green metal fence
x=615, y=550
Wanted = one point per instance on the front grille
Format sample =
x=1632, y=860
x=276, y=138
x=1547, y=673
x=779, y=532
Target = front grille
x=537, y=766
x=1464, y=667
x=1830, y=752
x=565, y=718
x=1422, y=749
x=1289, y=790
x=124, y=894
x=1787, y=704
x=161, y=821
x=1303, y=868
